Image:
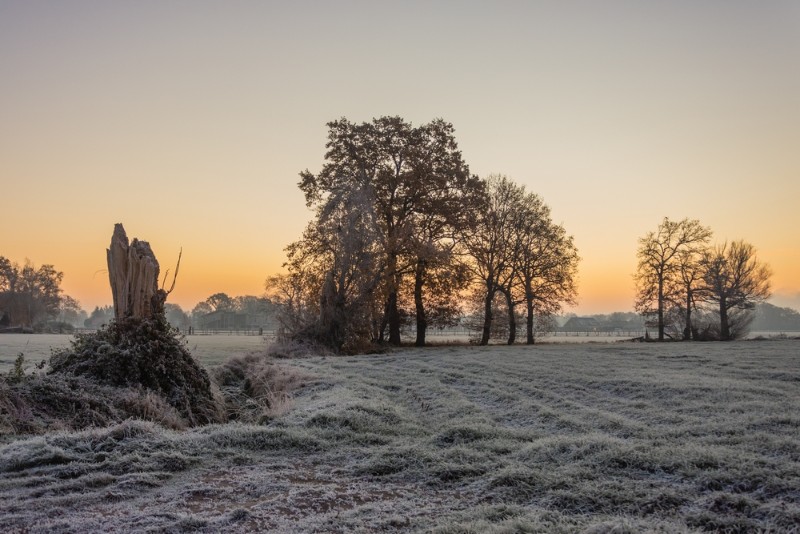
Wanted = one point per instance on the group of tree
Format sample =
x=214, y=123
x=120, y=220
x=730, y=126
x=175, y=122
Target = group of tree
x=403, y=234
x=769, y=317
x=239, y=304
x=701, y=290
x=31, y=297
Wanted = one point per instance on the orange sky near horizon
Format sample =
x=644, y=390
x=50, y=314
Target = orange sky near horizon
x=189, y=123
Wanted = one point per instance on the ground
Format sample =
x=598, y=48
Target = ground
x=678, y=437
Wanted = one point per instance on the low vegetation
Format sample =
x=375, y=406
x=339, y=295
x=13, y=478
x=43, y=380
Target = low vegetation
x=555, y=438
x=141, y=369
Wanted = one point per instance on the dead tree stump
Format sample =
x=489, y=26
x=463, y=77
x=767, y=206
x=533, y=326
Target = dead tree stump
x=133, y=271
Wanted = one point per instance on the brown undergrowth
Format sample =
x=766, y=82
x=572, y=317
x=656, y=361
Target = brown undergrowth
x=141, y=369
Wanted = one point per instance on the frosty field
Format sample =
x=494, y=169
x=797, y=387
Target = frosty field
x=623, y=437
x=209, y=350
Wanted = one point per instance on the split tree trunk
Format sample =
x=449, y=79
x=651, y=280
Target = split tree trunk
x=133, y=271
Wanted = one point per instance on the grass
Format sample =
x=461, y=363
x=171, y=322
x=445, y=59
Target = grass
x=553, y=438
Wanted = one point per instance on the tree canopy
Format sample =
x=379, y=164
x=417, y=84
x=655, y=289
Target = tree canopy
x=401, y=232
x=29, y=295
x=679, y=274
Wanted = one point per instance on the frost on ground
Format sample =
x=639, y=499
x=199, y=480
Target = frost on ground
x=560, y=438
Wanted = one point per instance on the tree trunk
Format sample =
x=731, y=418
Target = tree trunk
x=133, y=272
x=422, y=323
x=487, y=314
x=661, y=309
x=512, y=320
x=687, y=331
x=393, y=313
x=529, y=320
x=331, y=314
x=724, y=327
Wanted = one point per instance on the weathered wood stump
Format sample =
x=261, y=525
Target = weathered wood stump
x=133, y=271
x=139, y=349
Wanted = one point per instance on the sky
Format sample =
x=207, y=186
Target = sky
x=189, y=121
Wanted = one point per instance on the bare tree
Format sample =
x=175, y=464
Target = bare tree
x=689, y=288
x=492, y=242
x=735, y=281
x=659, y=256
x=547, y=268
x=518, y=252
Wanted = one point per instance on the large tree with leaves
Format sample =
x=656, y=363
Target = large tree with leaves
x=659, y=265
x=406, y=171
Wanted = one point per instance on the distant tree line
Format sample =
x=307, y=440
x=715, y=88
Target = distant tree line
x=689, y=289
x=774, y=318
x=404, y=238
x=223, y=312
x=31, y=298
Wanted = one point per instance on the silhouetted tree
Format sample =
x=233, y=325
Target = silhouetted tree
x=334, y=274
x=176, y=316
x=734, y=280
x=220, y=302
x=493, y=244
x=688, y=286
x=547, y=265
x=402, y=169
x=658, y=270
x=29, y=294
x=439, y=271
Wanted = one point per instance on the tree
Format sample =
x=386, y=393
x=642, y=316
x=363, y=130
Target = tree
x=70, y=312
x=176, y=316
x=547, y=265
x=200, y=309
x=771, y=317
x=491, y=241
x=220, y=302
x=440, y=274
x=402, y=170
x=689, y=287
x=293, y=295
x=334, y=273
x=99, y=317
x=734, y=280
x=29, y=294
x=658, y=269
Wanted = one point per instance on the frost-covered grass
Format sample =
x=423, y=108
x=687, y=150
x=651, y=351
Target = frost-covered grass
x=207, y=349
x=558, y=438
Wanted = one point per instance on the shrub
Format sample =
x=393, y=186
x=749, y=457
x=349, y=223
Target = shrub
x=143, y=354
x=255, y=388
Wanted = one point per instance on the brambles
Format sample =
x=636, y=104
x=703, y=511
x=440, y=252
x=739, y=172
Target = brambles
x=143, y=354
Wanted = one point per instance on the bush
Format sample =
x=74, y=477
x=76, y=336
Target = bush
x=143, y=354
x=255, y=388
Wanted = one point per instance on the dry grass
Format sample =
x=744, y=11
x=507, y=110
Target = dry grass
x=589, y=438
x=256, y=389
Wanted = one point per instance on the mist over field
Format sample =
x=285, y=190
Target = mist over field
x=551, y=438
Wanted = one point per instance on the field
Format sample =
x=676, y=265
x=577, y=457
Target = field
x=623, y=437
x=209, y=350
